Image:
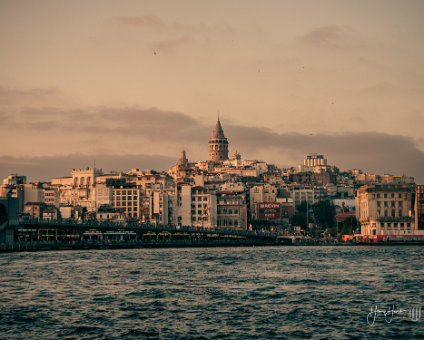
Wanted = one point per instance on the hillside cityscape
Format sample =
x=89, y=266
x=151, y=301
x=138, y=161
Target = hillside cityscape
x=229, y=192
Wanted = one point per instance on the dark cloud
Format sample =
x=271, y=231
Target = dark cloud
x=45, y=167
x=149, y=123
x=370, y=151
x=154, y=129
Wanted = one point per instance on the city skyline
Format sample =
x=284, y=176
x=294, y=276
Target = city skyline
x=131, y=84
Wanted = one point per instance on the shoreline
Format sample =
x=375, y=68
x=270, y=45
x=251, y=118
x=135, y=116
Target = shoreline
x=54, y=246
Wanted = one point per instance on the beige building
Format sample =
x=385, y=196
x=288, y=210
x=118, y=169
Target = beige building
x=127, y=199
x=385, y=209
x=231, y=210
x=261, y=193
x=196, y=206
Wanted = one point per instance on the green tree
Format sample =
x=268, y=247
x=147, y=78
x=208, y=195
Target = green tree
x=349, y=225
x=302, y=207
x=299, y=218
x=324, y=213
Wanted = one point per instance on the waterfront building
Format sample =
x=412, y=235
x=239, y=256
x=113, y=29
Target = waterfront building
x=108, y=214
x=231, y=210
x=35, y=210
x=218, y=145
x=161, y=207
x=419, y=207
x=196, y=206
x=127, y=199
x=385, y=209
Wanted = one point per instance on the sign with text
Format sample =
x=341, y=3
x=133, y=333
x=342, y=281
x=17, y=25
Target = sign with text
x=269, y=210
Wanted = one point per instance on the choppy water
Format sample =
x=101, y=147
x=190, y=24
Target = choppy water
x=234, y=293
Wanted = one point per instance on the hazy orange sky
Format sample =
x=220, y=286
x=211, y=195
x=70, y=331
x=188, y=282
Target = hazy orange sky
x=132, y=83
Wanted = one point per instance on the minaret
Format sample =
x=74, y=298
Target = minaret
x=218, y=144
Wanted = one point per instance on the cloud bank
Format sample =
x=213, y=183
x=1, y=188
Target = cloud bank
x=123, y=138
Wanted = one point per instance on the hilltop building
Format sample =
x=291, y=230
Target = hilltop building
x=218, y=145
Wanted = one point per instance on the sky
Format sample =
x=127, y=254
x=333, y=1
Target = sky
x=129, y=84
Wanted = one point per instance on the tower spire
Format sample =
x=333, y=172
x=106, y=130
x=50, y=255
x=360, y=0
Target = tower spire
x=218, y=144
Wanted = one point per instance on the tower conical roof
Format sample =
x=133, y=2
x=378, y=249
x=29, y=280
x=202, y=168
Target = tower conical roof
x=218, y=133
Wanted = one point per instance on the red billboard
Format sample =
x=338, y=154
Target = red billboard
x=269, y=210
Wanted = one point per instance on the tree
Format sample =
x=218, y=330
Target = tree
x=349, y=225
x=299, y=218
x=302, y=207
x=324, y=212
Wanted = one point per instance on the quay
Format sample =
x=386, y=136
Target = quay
x=32, y=235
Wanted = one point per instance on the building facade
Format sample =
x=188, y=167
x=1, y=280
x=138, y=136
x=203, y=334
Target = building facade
x=385, y=209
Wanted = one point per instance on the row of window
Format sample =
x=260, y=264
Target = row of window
x=199, y=198
x=125, y=192
x=228, y=202
x=395, y=225
x=392, y=203
x=124, y=198
x=199, y=206
x=194, y=219
x=392, y=195
x=227, y=222
x=227, y=211
x=199, y=212
x=124, y=204
x=386, y=213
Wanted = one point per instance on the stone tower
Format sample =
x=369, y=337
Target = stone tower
x=218, y=145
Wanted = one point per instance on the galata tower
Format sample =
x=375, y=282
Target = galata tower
x=218, y=145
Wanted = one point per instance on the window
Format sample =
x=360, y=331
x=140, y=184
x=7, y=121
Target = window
x=378, y=195
x=393, y=195
x=385, y=195
x=378, y=203
x=400, y=213
x=392, y=204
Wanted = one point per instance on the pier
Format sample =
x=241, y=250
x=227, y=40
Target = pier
x=32, y=235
